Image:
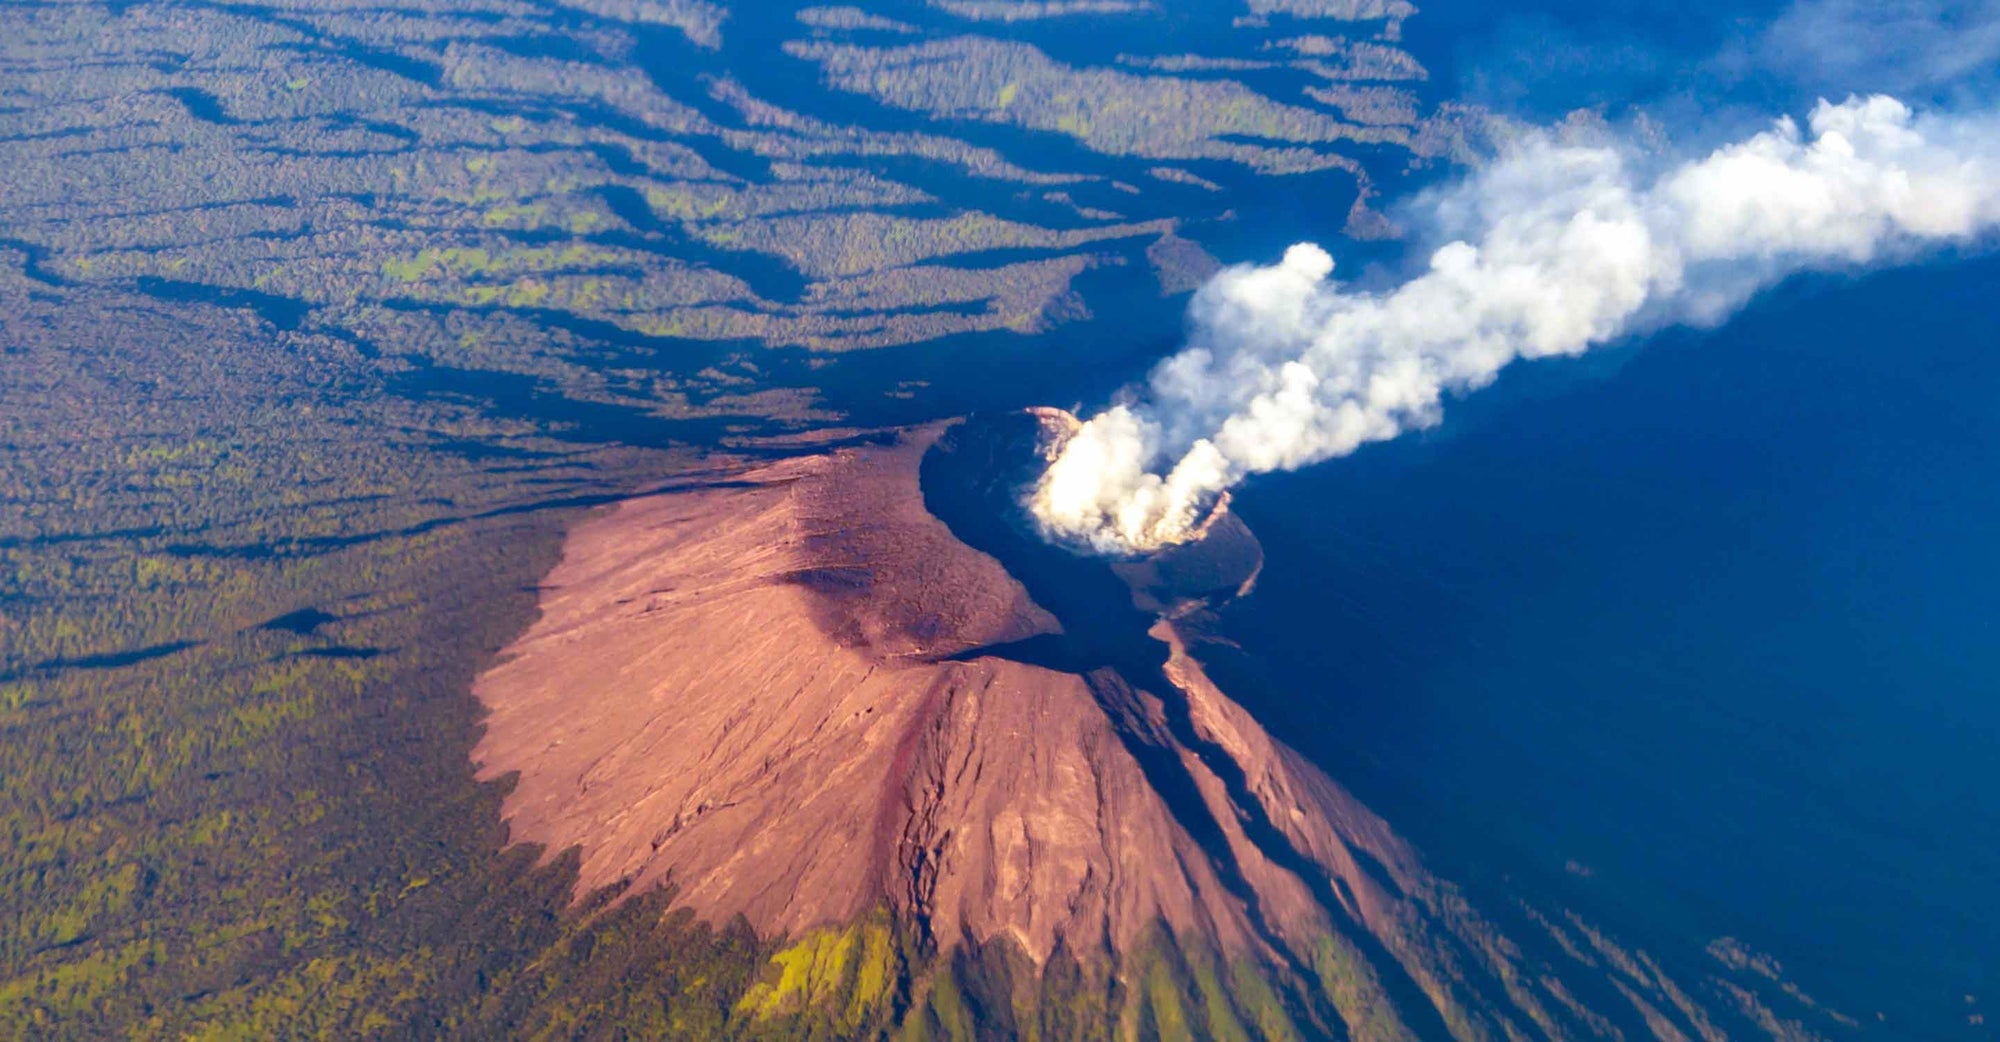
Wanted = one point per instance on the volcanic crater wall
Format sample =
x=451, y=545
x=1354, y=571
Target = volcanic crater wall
x=762, y=689
x=797, y=696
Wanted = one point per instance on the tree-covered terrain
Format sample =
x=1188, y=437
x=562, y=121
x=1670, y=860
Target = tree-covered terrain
x=321, y=319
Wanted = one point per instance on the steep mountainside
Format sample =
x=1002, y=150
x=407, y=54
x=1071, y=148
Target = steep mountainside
x=978, y=792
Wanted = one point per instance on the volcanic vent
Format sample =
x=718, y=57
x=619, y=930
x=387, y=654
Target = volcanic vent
x=977, y=480
x=858, y=687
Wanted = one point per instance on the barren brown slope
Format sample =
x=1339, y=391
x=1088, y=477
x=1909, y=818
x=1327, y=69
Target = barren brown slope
x=798, y=697
x=745, y=687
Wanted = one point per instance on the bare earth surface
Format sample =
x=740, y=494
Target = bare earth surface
x=747, y=687
x=770, y=692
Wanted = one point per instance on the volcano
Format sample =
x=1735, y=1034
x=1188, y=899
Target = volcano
x=977, y=782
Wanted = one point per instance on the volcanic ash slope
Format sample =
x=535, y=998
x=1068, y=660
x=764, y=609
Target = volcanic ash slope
x=791, y=696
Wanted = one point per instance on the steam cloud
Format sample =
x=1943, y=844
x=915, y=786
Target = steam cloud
x=1555, y=248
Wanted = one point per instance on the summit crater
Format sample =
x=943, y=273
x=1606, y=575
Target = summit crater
x=855, y=687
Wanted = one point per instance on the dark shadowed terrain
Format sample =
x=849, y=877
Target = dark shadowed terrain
x=354, y=355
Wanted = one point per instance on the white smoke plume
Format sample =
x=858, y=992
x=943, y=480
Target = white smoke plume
x=1554, y=249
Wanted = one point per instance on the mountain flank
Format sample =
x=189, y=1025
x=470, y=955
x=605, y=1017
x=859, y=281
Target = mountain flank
x=798, y=696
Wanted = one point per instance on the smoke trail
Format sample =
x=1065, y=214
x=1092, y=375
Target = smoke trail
x=1554, y=249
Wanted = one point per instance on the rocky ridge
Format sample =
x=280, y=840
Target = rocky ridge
x=799, y=696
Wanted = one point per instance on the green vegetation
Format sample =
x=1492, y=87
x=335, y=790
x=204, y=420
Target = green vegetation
x=218, y=827
x=875, y=242
x=1357, y=993
x=1158, y=117
x=262, y=522
x=322, y=321
x=845, y=978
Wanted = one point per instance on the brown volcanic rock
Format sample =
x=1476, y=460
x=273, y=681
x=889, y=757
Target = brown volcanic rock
x=748, y=688
x=797, y=696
